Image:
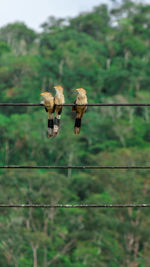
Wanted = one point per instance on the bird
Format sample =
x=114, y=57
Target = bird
x=59, y=100
x=81, y=99
x=49, y=107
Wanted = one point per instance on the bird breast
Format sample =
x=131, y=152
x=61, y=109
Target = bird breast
x=49, y=102
x=59, y=99
x=81, y=99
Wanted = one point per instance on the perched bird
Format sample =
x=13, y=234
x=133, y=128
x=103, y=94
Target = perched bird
x=59, y=100
x=49, y=107
x=80, y=100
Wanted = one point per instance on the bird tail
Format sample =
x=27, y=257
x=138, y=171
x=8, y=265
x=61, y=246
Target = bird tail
x=57, y=122
x=50, y=127
x=77, y=126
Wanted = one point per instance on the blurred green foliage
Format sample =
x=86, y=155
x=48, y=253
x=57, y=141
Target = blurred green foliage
x=107, y=52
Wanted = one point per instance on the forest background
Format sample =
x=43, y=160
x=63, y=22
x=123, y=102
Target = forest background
x=107, y=52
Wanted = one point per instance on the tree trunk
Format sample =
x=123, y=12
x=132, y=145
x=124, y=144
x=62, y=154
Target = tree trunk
x=35, y=257
x=45, y=257
x=34, y=249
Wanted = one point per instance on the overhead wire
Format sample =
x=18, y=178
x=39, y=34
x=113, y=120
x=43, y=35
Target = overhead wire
x=67, y=105
x=55, y=206
x=73, y=167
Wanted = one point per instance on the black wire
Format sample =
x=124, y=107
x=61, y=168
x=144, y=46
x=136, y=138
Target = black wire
x=73, y=167
x=74, y=206
x=67, y=105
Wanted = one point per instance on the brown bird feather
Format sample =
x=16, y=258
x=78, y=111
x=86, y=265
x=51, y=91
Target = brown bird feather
x=80, y=100
x=49, y=107
x=59, y=100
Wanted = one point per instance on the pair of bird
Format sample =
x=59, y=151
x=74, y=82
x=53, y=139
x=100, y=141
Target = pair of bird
x=55, y=104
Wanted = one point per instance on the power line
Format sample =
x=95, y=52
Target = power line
x=67, y=105
x=74, y=206
x=73, y=167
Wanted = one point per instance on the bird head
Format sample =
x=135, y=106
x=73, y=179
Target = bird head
x=46, y=95
x=59, y=89
x=81, y=91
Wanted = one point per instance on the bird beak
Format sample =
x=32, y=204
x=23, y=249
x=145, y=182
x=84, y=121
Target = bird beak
x=41, y=94
x=74, y=91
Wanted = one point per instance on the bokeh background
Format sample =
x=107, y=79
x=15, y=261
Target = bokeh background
x=106, y=50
